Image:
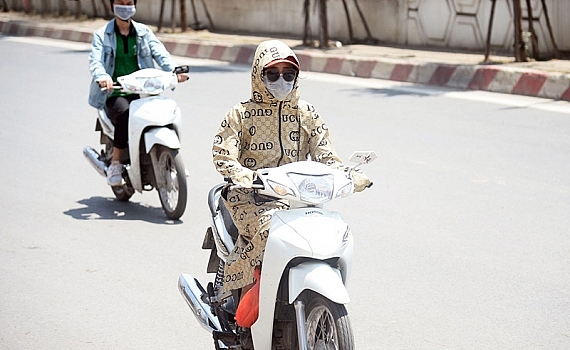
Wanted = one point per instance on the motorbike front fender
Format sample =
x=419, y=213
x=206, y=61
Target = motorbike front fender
x=161, y=136
x=318, y=277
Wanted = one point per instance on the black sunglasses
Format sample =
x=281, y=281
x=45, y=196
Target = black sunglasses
x=273, y=74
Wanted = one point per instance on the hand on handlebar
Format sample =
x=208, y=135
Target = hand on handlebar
x=106, y=84
x=245, y=178
x=361, y=181
x=182, y=77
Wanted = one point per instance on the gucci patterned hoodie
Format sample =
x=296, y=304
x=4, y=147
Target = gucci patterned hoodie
x=265, y=132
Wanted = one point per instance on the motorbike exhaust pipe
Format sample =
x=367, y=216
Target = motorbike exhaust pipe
x=93, y=158
x=192, y=291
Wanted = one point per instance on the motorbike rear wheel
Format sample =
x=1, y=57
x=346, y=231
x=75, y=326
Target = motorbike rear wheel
x=328, y=326
x=171, y=182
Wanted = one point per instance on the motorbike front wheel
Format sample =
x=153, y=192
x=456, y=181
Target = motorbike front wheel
x=328, y=326
x=170, y=175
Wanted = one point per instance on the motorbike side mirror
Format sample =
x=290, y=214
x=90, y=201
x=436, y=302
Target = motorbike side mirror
x=362, y=157
x=181, y=69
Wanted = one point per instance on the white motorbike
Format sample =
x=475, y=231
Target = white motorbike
x=306, y=266
x=153, y=159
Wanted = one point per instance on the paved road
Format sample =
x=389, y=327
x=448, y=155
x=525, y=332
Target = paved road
x=462, y=243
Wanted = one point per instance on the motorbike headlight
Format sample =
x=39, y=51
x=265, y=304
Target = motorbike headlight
x=313, y=189
x=153, y=85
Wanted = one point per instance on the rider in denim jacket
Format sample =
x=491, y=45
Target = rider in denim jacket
x=102, y=57
x=121, y=47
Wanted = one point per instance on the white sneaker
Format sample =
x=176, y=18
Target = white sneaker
x=115, y=174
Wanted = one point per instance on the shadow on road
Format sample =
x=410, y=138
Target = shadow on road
x=391, y=92
x=107, y=208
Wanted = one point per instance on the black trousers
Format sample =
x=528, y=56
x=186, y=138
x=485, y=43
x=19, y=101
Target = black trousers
x=117, y=109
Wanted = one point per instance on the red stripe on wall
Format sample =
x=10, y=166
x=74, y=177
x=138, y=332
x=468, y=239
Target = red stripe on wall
x=482, y=78
x=244, y=55
x=217, y=52
x=13, y=29
x=304, y=60
x=566, y=95
x=364, y=69
x=401, y=72
x=442, y=75
x=192, y=50
x=66, y=34
x=529, y=84
x=170, y=45
x=86, y=37
x=333, y=65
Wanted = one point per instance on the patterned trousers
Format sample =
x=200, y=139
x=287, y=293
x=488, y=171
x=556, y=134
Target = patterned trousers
x=252, y=217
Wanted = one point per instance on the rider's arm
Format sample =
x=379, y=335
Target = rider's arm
x=322, y=150
x=320, y=145
x=97, y=58
x=226, y=151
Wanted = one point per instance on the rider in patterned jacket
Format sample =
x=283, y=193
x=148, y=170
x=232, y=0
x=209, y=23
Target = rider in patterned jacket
x=272, y=128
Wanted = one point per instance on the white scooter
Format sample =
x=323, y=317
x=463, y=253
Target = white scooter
x=306, y=265
x=153, y=159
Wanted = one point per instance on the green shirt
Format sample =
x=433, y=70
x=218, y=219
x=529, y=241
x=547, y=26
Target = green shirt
x=125, y=57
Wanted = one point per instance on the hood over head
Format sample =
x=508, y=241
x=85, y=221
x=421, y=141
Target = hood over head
x=267, y=54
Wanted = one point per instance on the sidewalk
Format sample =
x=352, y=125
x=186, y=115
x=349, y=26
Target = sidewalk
x=548, y=79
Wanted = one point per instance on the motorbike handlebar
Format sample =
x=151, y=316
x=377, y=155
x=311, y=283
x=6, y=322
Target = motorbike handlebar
x=257, y=184
x=253, y=187
x=116, y=86
x=177, y=70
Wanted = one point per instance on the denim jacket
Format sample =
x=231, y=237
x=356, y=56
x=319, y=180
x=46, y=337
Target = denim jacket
x=102, y=57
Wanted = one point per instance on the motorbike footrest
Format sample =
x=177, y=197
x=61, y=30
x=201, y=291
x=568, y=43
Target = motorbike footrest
x=228, y=338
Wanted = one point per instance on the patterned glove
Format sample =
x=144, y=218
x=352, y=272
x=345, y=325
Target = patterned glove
x=361, y=181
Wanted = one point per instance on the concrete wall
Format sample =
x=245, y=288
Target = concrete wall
x=561, y=13
x=285, y=17
x=464, y=23
x=446, y=24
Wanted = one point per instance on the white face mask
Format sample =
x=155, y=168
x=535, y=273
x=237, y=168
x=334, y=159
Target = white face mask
x=124, y=12
x=280, y=88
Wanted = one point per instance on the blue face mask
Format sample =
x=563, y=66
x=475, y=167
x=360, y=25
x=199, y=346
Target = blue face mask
x=124, y=12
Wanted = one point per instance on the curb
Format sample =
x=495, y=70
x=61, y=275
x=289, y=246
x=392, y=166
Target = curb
x=493, y=78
